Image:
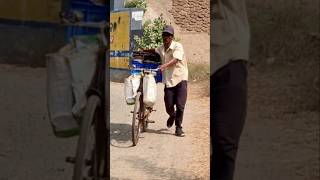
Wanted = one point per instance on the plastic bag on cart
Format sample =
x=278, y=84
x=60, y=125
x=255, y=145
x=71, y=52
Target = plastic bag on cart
x=131, y=85
x=82, y=61
x=69, y=73
x=149, y=90
x=59, y=94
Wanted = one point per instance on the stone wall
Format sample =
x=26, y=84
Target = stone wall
x=192, y=15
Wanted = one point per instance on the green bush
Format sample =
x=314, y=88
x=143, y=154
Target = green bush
x=152, y=34
x=136, y=4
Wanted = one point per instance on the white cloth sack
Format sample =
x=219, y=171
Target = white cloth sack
x=128, y=90
x=131, y=85
x=82, y=62
x=149, y=90
x=59, y=93
x=69, y=74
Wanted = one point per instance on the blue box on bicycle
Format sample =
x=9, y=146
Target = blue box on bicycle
x=136, y=63
x=154, y=65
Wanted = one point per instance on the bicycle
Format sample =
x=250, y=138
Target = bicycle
x=91, y=161
x=141, y=112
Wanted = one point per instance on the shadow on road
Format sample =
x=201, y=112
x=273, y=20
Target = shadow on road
x=151, y=168
x=121, y=134
x=159, y=131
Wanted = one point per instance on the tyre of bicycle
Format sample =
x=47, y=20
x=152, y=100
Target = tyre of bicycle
x=140, y=117
x=90, y=155
x=137, y=118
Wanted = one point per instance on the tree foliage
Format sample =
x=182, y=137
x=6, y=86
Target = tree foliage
x=152, y=34
x=136, y=4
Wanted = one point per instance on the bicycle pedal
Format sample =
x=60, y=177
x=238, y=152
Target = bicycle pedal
x=70, y=159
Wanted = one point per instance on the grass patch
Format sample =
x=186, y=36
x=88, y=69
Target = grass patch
x=198, y=72
x=285, y=38
x=284, y=31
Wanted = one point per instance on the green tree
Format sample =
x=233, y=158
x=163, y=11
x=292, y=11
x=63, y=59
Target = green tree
x=136, y=4
x=152, y=34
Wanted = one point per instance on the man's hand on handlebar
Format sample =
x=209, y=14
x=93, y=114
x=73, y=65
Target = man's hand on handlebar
x=162, y=67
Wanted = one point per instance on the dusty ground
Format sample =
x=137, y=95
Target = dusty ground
x=29, y=150
x=159, y=154
x=281, y=135
x=280, y=139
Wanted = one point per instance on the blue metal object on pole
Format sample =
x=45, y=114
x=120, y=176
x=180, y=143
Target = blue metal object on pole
x=87, y=11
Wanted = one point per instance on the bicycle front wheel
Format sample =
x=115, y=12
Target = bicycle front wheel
x=86, y=152
x=136, y=119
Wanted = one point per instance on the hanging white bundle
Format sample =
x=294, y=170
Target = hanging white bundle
x=131, y=85
x=149, y=90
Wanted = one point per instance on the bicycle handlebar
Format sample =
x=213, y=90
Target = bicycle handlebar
x=146, y=69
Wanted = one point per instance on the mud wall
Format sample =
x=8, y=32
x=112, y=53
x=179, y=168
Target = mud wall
x=192, y=15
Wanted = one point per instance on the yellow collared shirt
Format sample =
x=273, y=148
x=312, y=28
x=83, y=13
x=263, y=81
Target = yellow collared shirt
x=173, y=75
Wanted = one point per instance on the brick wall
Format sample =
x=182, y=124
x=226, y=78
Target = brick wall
x=192, y=15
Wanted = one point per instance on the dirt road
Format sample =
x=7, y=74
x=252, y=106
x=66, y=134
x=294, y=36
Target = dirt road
x=28, y=148
x=159, y=154
x=30, y=151
x=281, y=135
x=279, y=140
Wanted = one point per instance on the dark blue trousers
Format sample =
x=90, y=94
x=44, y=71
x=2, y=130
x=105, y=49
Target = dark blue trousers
x=228, y=103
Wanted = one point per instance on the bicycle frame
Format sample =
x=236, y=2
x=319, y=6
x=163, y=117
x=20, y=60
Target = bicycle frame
x=147, y=109
x=98, y=89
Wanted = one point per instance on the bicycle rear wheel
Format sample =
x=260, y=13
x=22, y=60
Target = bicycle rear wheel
x=136, y=119
x=90, y=155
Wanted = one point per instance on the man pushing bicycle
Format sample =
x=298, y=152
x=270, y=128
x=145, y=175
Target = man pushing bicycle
x=175, y=76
